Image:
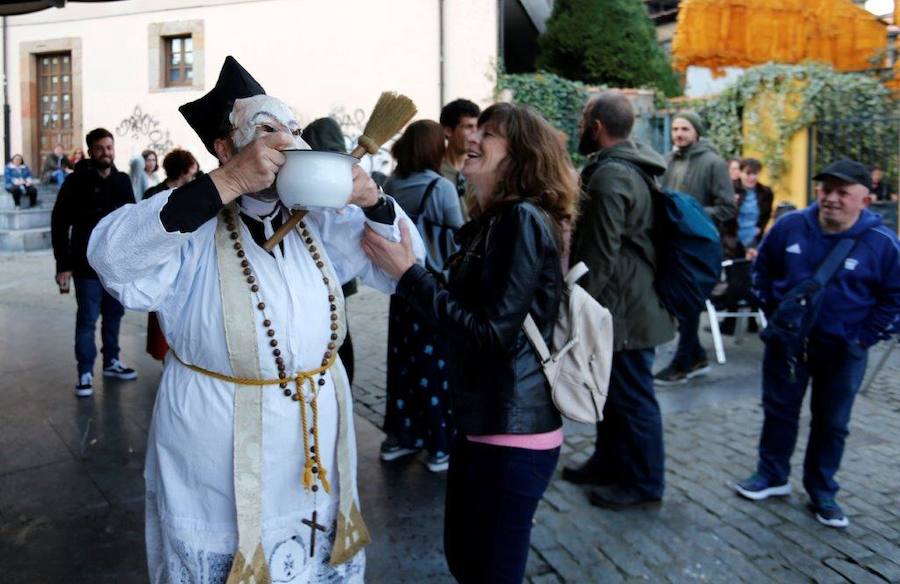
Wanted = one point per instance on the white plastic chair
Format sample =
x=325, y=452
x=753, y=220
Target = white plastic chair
x=742, y=314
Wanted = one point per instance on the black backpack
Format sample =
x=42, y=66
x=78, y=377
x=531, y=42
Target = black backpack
x=790, y=324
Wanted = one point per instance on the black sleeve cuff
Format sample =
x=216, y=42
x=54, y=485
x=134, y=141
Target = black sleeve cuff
x=382, y=211
x=191, y=206
x=410, y=280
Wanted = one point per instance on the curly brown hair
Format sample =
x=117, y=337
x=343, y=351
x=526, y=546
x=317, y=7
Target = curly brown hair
x=177, y=163
x=537, y=167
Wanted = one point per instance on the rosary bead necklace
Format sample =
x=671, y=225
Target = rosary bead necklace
x=314, y=473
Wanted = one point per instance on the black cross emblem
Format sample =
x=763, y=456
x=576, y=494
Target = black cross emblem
x=313, y=526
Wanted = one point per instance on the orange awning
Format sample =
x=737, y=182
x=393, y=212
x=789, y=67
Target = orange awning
x=744, y=33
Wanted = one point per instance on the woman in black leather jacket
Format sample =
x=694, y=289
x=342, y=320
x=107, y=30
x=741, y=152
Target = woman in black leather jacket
x=508, y=266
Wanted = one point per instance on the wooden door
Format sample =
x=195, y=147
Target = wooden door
x=54, y=104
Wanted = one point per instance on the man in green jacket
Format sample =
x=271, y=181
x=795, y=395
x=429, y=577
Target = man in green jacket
x=613, y=238
x=695, y=168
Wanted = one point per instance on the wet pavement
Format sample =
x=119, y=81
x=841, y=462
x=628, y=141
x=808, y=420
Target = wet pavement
x=71, y=491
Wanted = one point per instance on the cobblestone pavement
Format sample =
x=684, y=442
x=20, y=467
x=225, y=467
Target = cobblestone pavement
x=703, y=531
x=71, y=493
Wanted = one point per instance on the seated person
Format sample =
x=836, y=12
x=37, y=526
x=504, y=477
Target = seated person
x=742, y=234
x=18, y=181
x=55, y=165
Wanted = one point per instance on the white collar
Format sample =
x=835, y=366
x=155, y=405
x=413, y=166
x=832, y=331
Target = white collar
x=257, y=209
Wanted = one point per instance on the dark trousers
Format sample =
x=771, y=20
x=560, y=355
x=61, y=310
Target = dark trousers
x=492, y=494
x=94, y=301
x=346, y=355
x=629, y=450
x=689, y=350
x=29, y=191
x=836, y=370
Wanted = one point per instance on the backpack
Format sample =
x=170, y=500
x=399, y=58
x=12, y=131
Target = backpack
x=580, y=362
x=438, y=238
x=687, y=244
x=790, y=324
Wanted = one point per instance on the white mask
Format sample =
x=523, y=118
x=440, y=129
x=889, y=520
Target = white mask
x=254, y=117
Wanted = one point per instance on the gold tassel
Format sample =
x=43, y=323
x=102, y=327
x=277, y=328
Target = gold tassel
x=308, y=475
x=323, y=478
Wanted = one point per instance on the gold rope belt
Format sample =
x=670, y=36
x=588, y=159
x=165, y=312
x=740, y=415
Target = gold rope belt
x=312, y=468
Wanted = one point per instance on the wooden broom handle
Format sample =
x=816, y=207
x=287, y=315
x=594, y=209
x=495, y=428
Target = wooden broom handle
x=286, y=227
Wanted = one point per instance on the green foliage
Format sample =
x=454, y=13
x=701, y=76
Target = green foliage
x=609, y=42
x=801, y=94
x=559, y=100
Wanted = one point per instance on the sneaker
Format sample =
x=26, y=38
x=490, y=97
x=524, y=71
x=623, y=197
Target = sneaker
x=828, y=512
x=392, y=450
x=118, y=370
x=757, y=488
x=671, y=375
x=85, y=387
x=698, y=368
x=438, y=462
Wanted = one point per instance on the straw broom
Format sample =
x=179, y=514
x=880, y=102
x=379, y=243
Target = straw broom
x=390, y=114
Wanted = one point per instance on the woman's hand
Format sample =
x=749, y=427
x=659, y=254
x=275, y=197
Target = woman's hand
x=393, y=258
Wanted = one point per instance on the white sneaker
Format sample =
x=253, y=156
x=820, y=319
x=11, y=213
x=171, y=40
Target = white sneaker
x=85, y=387
x=118, y=370
x=438, y=462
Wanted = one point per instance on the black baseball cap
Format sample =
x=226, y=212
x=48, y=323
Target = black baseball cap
x=849, y=171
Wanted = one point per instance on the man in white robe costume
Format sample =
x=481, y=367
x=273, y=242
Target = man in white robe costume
x=216, y=513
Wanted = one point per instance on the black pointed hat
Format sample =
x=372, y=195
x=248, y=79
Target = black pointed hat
x=205, y=115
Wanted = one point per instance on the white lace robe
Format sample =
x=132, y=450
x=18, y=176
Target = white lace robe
x=191, y=526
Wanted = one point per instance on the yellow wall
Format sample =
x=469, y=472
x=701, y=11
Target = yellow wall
x=792, y=186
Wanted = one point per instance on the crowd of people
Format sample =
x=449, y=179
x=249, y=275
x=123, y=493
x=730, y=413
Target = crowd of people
x=471, y=234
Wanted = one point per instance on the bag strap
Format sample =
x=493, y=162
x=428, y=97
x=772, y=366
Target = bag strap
x=830, y=265
x=575, y=274
x=536, y=339
x=425, y=196
x=651, y=183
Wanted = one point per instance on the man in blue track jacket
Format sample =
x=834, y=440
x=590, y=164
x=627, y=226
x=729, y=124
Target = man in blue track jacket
x=861, y=306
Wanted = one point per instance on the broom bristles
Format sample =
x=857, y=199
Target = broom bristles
x=391, y=113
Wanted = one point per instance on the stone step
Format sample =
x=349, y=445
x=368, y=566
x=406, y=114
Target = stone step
x=25, y=239
x=25, y=218
x=46, y=198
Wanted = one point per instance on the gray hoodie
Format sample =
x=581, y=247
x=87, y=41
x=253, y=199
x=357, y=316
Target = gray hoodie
x=442, y=207
x=699, y=171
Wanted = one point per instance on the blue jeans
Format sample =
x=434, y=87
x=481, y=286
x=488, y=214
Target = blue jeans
x=58, y=176
x=93, y=301
x=629, y=451
x=689, y=349
x=492, y=494
x=836, y=370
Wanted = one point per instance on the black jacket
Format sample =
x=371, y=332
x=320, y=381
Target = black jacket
x=508, y=266
x=84, y=199
x=729, y=229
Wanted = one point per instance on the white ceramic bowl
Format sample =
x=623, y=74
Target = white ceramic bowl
x=313, y=178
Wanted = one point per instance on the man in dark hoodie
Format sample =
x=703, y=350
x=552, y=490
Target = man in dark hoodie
x=861, y=306
x=695, y=168
x=613, y=238
x=94, y=190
